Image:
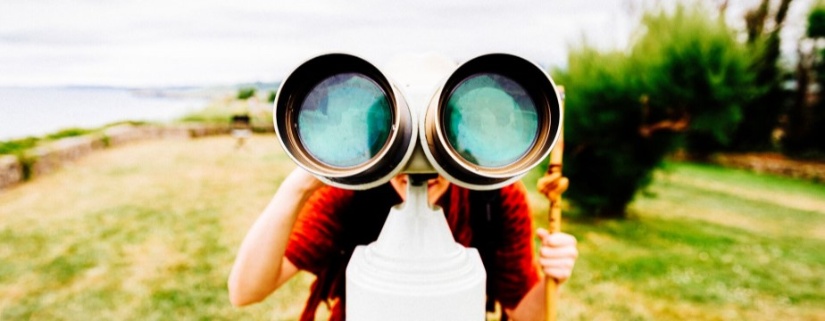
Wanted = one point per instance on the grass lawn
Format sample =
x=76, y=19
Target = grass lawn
x=149, y=232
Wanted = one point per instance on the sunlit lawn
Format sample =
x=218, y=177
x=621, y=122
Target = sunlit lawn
x=706, y=243
x=149, y=232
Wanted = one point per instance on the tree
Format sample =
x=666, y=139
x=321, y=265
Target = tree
x=626, y=110
x=761, y=114
x=806, y=119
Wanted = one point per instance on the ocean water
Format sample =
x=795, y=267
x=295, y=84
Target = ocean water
x=37, y=111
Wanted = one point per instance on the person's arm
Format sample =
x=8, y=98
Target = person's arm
x=557, y=256
x=520, y=287
x=260, y=266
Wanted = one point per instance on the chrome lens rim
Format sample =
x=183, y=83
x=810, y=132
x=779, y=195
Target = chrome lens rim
x=382, y=166
x=461, y=171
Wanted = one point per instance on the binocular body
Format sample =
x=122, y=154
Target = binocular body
x=489, y=122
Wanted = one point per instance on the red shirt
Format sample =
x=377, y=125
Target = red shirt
x=334, y=221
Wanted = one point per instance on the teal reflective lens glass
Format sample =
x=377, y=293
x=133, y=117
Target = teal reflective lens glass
x=345, y=120
x=490, y=120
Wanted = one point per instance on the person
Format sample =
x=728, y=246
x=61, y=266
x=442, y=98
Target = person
x=313, y=227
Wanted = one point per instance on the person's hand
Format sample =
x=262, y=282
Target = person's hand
x=557, y=254
x=302, y=181
x=553, y=185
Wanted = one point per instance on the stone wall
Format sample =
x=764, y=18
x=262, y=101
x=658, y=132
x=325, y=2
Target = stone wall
x=773, y=164
x=49, y=158
x=11, y=171
x=121, y=135
x=45, y=159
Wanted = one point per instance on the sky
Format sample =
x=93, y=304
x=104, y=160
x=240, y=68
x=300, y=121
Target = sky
x=206, y=42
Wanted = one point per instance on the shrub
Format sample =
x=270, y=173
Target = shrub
x=246, y=93
x=17, y=146
x=626, y=110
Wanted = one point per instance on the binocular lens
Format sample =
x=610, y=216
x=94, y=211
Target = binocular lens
x=493, y=119
x=490, y=120
x=496, y=117
x=345, y=120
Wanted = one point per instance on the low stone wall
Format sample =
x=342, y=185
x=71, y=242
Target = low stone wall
x=773, y=164
x=49, y=158
x=121, y=135
x=43, y=160
x=259, y=126
x=200, y=131
x=11, y=171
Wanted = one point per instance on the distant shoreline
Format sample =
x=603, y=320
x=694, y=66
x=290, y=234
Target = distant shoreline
x=37, y=111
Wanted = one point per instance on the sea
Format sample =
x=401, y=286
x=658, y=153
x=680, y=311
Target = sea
x=38, y=111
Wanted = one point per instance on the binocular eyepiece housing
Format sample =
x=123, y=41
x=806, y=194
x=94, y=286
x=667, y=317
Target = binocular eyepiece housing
x=492, y=120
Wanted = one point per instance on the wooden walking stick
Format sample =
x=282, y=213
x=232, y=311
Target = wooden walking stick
x=554, y=194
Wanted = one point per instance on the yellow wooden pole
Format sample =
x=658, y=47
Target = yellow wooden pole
x=551, y=285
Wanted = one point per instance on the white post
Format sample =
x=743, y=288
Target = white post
x=415, y=270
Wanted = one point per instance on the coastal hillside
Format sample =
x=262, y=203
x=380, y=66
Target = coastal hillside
x=149, y=231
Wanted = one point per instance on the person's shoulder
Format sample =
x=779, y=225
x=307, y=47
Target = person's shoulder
x=514, y=199
x=330, y=195
x=515, y=189
x=339, y=196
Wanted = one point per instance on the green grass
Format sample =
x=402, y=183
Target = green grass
x=705, y=243
x=149, y=232
x=17, y=146
x=146, y=232
x=69, y=132
x=20, y=145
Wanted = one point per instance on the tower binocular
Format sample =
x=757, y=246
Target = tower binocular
x=492, y=120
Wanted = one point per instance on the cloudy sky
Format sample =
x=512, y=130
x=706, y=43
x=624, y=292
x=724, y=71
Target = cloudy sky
x=208, y=42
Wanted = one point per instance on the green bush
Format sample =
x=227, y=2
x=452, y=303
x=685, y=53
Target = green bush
x=816, y=22
x=271, y=97
x=702, y=72
x=18, y=146
x=246, y=93
x=683, y=81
